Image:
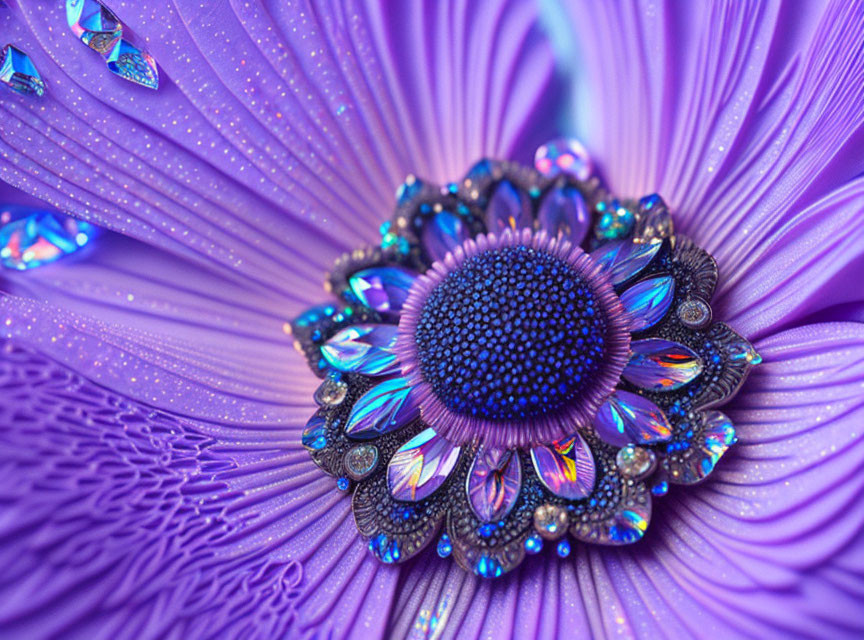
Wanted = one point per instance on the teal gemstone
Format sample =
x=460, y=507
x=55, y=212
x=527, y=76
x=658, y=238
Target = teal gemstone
x=386, y=407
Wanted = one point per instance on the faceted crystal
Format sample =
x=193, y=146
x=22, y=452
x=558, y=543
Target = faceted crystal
x=442, y=233
x=661, y=365
x=711, y=443
x=566, y=467
x=616, y=220
x=563, y=155
x=363, y=348
x=331, y=392
x=627, y=417
x=655, y=221
x=493, y=483
x=563, y=213
x=509, y=208
x=648, y=301
x=129, y=62
x=420, y=466
x=314, y=438
x=635, y=462
x=694, y=313
x=41, y=238
x=386, y=407
x=382, y=288
x=93, y=23
x=18, y=72
x=360, y=461
x=623, y=259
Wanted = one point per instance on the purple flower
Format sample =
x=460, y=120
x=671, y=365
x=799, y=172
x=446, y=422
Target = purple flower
x=152, y=474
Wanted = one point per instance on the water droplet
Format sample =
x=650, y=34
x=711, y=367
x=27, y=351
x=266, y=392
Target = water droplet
x=563, y=155
x=635, y=462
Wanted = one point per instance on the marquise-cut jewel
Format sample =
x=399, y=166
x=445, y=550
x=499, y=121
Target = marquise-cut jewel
x=629, y=418
x=493, y=483
x=314, y=438
x=623, y=259
x=129, y=62
x=566, y=467
x=363, y=348
x=384, y=408
x=383, y=289
x=648, y=301
x=661, y=365
x=420, y=466
x=443, y=233
x=93, y=23
x=509, y=208
x=563, y=213
x=41, y=238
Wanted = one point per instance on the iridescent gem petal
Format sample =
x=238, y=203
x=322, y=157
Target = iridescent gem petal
x=493, y=483
x=442, y=234
x=627, y=417
x=41, y=238
x=509, y=208
x=19, y=73
x=420, y=466
x=363, y=348
x=715, y=438
x=621, y=260
x=566, y=467
x=314, y=438
x=661, y=365
x=129, y=62
x=332, y=391
x=648, y=301
x=386, y=407
x=563, y=213
x=563, y=155
x=93, y=23
x=382, y=288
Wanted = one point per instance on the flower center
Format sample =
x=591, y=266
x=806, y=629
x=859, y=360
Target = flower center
x=514, y=333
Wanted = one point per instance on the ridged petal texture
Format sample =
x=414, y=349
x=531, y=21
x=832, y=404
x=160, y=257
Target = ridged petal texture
x=661, y=365
x=420, y=466
x=566, y=467
x=364, y=348
x=494, y=481
x=385, y=407
x=629, y=418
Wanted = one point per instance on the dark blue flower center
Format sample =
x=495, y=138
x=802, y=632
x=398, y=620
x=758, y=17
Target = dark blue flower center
x=513, y=333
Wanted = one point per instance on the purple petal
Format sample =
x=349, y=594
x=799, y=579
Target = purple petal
x=420, y=466
x=627, y=417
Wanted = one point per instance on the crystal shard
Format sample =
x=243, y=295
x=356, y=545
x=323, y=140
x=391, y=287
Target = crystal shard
x=563, y=213
x=661, y=365
x=93, y=23
x=19, y=73
x=129, y=62
x=41, y=238
x=648, y=301
x=629, y=418
x=563, y=155
x=566, y=467
x=509, y=208
x=442, y=233
x=622, y=259
x=363, y=348
x=314, y=438
x=384, y=408
x=493, y=483
x=383, y=289
x=420, y=466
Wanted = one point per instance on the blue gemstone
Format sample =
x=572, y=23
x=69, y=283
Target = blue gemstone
x=563, y=213
x=488, y=567
x=648, y=301
x=384, y=408
x=442, y=234
x=19, y=73
x=343, y=484
x=367, y=349
x=129, y=62
x=660, y=489
x=563, y=549
x=621, y=260
x=383, y=289
x=533, y=544
x=314, y=438
x=509, y=208
x=385, y=549
x=481, y=170
x=408, y=190
x=93, y=23
x=616, y=221
x=41, y=238
x=445, y=547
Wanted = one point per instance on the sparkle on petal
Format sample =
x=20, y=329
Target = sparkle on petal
x=41, y=238
x=566, y=467
x=363, y=348
x=493, y=483
x=420, y=466
x=129, y=62
x=648, y=301
x=386, y=407
x=629, y=418
x=661, y=365
x=19, y=73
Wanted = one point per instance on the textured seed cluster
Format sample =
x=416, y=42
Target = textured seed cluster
x=513, y=333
